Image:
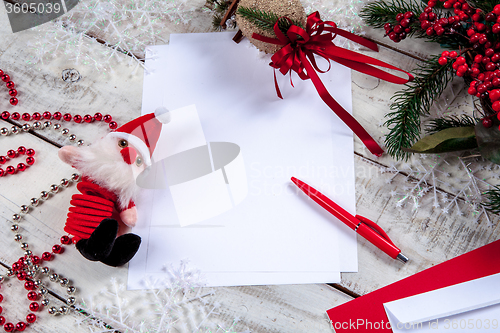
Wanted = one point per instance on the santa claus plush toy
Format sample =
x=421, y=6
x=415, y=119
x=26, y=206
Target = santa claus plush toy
x=105, y=205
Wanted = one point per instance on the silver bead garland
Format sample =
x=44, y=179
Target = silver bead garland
x=37, y=125
x=33, y=270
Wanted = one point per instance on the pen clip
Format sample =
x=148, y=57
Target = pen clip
x=375, y=227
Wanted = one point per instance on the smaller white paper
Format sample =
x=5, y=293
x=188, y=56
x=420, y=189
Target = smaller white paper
x=182, y=133
x=470, y=306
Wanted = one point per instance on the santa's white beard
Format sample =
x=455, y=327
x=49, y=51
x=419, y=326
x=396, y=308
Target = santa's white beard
x=103, y=163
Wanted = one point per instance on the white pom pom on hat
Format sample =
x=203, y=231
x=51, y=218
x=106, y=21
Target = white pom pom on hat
x=163, y=115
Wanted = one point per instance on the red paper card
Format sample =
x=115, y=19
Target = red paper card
x=367, y=314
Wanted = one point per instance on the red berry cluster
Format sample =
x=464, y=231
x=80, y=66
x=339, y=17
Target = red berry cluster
x=478, y=62
x=433, y=25
x=460, y=8
x=481, y=62
x=399, y=31
x=429, y=20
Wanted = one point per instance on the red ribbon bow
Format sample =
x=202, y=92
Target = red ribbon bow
x=297, y=54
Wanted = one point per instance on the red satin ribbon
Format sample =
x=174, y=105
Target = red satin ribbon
x=297, y=54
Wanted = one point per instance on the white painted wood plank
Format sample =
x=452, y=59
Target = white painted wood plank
x=290, y=308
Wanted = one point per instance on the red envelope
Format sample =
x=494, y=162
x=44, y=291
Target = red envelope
x=367, y=314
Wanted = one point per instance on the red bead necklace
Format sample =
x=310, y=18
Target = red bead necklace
x=37, y=125
x=67, y=117
x=28, y=268
x=10, y=84
x=11, y=154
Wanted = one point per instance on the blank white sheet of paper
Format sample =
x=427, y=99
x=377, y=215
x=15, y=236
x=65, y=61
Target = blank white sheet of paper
x=272, y=233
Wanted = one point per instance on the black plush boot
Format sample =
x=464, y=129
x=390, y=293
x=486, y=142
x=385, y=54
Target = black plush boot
x=124, y=249
x=99, y=245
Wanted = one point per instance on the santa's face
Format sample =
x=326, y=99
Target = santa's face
x=131, y=157
x=111, y=162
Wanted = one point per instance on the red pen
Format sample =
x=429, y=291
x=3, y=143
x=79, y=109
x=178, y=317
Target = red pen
x=363, y=226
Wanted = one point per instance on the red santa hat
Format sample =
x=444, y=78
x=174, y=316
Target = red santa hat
x=143, y=132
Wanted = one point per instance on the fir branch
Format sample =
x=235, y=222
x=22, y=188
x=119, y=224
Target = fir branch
x=265, y=20
x=410, y=103
x=486, y=5
x=493, y=204
x=216, y=21
x=219, y=8
x=440, y=124
x=378, y=13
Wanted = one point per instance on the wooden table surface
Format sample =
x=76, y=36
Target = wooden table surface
x=428, y=235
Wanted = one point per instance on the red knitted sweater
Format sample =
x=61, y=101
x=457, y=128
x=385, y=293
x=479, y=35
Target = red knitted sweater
x=89, y=207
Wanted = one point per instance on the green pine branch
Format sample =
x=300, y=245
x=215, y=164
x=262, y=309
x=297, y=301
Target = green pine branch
x=378, y=13
x=486, y=5
x=219, y=8
x=493, y=204
x=265, y=20
x=440, y=124
x=216, y=21
x=410, y=103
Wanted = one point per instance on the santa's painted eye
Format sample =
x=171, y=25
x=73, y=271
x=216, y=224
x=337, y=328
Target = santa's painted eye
x=138, y=161
x=123, y=143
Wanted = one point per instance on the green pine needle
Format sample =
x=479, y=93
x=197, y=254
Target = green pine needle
x=410, y=103
x=265, y=20
x=219, y=8
x=216, y=20
x=493, y=204
x=378, y=13
x=440, y=124
x=486, y=5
